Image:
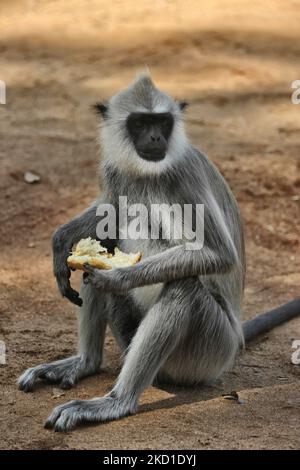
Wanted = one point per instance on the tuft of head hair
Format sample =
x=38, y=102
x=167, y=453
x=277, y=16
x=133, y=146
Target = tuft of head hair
x=143, y=96
x=143, y=90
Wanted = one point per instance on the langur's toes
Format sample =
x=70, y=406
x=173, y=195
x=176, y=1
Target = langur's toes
x=26, y=381
x=25, y=387
x=65, y=372
x=48, y=424
x=67, y=384
x=50, y=376
x=64, y=425
x=63, y=418
x=51, y=420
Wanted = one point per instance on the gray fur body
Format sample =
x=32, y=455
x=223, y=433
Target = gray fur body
x=176, y=313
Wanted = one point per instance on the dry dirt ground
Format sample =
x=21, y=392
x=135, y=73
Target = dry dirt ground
x=234, y=61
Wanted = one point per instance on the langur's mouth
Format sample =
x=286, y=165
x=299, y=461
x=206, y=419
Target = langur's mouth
x=153, y=155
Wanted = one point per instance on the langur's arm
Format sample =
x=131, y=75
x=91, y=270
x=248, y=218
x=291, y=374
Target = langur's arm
x=217, y=256
x=82, y=226
x=178, y=263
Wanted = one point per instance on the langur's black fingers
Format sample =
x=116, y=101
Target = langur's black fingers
x=88, y=268
x=67, y=291
x=79, y=302
x=73, y=296
x=76, y=300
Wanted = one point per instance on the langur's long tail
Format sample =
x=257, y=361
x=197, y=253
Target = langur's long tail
x=267, y=321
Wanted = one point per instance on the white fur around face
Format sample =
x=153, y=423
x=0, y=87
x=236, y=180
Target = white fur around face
x=117, y=147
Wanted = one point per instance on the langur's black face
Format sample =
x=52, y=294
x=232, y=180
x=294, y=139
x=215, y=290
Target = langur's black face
x=150, y=133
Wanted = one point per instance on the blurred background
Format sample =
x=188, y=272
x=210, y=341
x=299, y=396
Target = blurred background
x=234, y=61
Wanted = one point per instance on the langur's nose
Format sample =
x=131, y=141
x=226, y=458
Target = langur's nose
x=155, y=139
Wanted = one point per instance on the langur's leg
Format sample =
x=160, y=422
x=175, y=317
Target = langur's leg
x=92, y=326
x=123, y=318
x=156, y=337
x=163, y=333
x=212, y=341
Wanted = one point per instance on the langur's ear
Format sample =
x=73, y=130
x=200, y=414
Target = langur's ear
x=101, y=109
x=183, y=105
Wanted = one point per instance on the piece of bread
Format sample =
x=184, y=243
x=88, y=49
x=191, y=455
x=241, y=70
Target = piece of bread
x=92, y=252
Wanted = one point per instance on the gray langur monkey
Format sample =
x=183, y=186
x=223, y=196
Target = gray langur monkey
x=176, y=313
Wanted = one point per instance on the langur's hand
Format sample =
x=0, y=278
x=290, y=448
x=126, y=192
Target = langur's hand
x=63, y=282
x=112, y=280
x=62, y=273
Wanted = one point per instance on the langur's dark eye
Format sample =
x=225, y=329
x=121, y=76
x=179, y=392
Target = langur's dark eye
x=165, y=121
x=138, y=124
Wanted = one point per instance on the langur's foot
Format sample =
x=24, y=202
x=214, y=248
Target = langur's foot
x=65, y=372
x=68, y=416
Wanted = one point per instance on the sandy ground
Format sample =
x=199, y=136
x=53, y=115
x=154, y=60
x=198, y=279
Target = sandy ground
x=234, y=61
